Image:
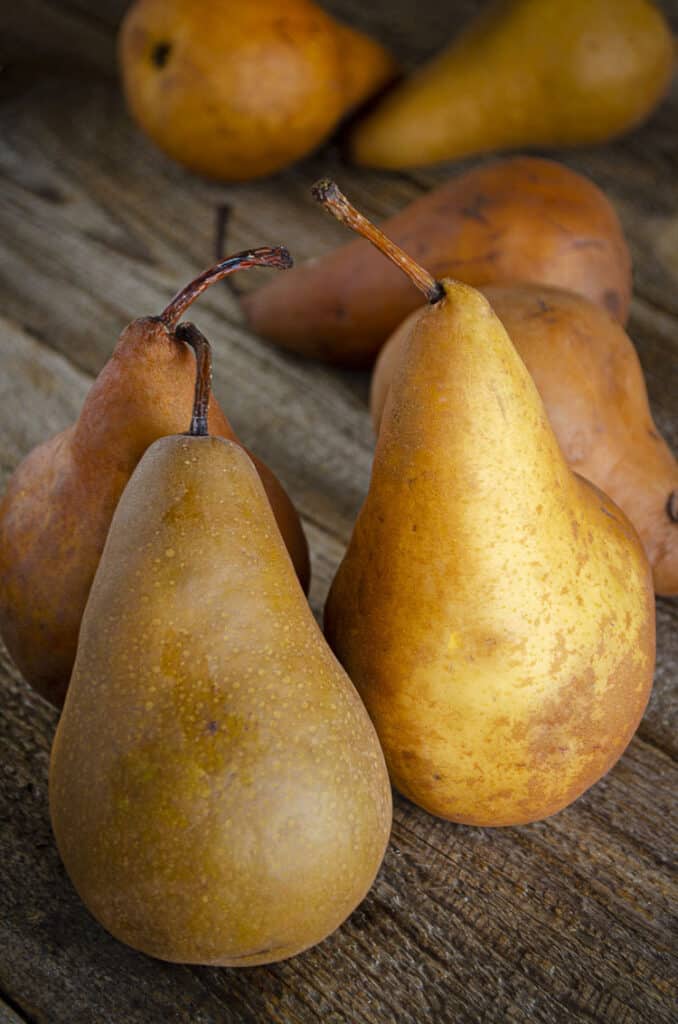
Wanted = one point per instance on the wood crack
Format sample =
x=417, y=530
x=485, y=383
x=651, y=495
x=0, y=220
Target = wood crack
x=19, y=1014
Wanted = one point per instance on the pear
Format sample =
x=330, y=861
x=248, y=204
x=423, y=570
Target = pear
x=217, y=791
x=591, y=382
x=56, y=511
x=526, y=73
x=236, y=90
x=494, y=610
x=516, y=219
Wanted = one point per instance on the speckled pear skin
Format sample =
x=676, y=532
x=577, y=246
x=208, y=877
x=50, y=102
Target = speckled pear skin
x=494, y=610
x=217, y=791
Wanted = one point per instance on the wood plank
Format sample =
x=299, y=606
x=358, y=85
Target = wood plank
x=566, y=920
x=73, y=37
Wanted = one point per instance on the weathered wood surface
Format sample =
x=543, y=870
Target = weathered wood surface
x=571, y=919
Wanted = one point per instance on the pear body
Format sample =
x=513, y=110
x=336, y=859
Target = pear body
x=55, y=514
x=240, y=90
x=217, y=791
x=591, y=382
x=516, y=219
x=526, y=73
x=494, y=610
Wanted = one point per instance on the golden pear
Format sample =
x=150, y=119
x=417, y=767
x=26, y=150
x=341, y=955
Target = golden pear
x=494, y=610
x=526, y=73
x=217, y=790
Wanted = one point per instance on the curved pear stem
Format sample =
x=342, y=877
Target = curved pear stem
x=203, y=376
x=266, y=256
x=329, y=195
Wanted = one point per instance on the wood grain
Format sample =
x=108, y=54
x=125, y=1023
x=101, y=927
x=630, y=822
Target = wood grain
x=567, y=920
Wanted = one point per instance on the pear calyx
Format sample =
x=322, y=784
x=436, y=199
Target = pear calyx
x=329, y=195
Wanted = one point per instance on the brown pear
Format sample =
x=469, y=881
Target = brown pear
x=591, y=383
x=519, y=219
x=56, y=511
x=237, y=90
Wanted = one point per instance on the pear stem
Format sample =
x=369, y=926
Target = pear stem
x=329, y=195
x=203, y=376
x=266, y=256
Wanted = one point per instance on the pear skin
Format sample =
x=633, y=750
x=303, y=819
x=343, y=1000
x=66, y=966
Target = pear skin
x=525, y=73
x=516, y=219
x=494, y=610
x=58, y=505
x=217, y=791
x=591, y=382
x=236, y=90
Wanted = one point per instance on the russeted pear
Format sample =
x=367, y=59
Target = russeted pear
x=517, y=219
x=56, y=511
x=591, y=382
x=237, y=90
x=525, y=73
x=217, y=790
x=494, y=610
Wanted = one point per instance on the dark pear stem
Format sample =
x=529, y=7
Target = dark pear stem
x=203, y=376
x=266, y=256
x=329, y=195
x=223, y=217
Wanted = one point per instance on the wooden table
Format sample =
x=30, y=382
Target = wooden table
x=565, y=920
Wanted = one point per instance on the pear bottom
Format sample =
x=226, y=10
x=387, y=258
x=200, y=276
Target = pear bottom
x=508, y=719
